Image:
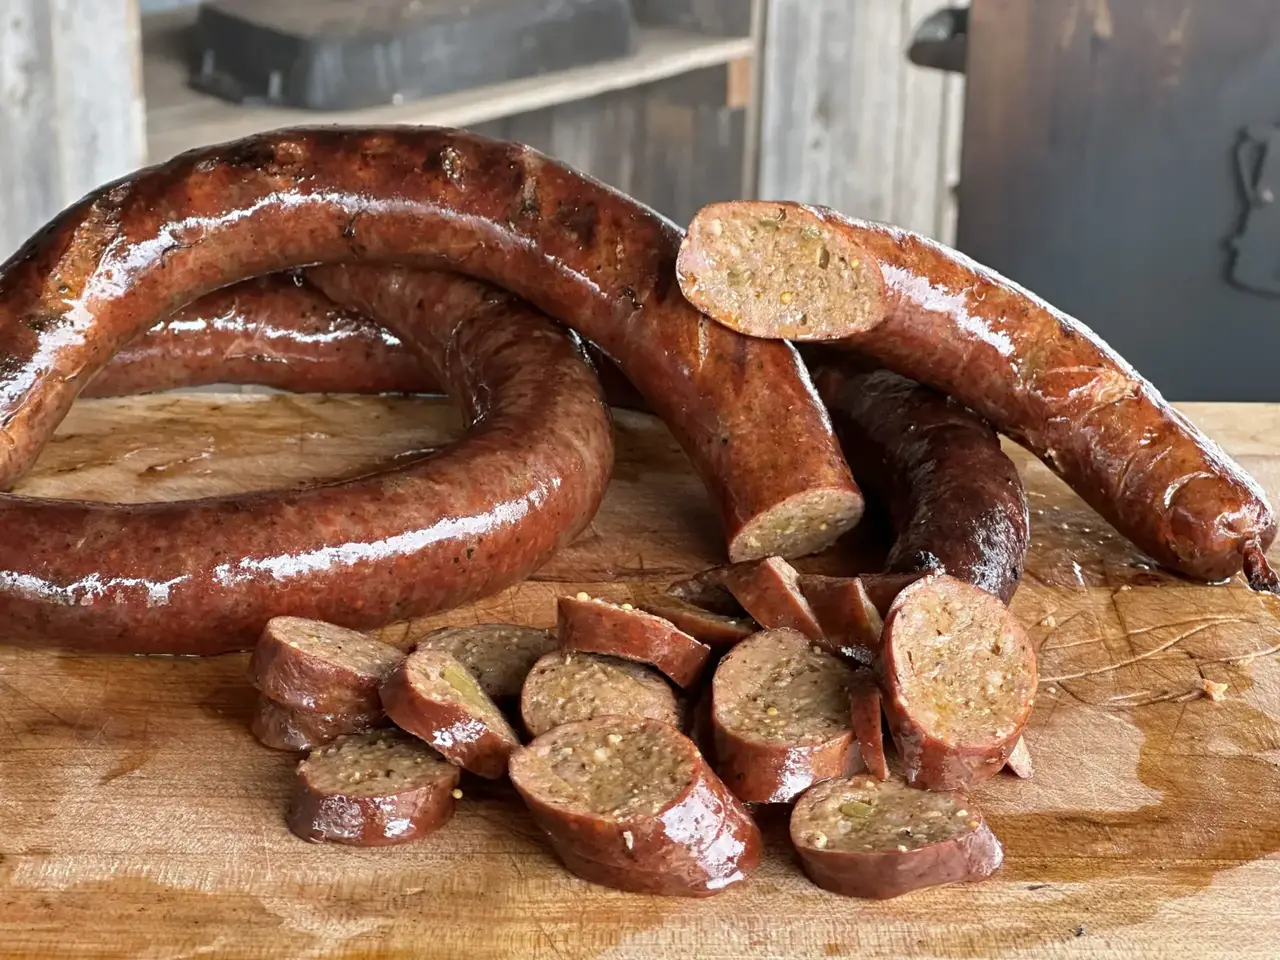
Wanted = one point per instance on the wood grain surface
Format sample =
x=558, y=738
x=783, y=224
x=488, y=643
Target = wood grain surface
x=138, y=818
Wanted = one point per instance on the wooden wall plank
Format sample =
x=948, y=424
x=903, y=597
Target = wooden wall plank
x=846, y=120
x=71, y=113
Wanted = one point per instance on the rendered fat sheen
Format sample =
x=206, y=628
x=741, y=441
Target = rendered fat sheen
x=565, y=686
x=613, y=768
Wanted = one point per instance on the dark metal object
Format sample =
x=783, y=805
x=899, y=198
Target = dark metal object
x=340, y=55
x=942, y=40
x=1256, y=265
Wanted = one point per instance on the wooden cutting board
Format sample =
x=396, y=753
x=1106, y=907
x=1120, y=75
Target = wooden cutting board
x=138, y=818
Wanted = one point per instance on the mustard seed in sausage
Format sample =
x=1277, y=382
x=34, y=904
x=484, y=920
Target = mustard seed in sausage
x=499, y=655
x=311, y=665
x=597, y=626
x=565, y=686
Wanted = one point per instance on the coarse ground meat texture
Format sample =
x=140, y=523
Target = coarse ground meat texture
x=499, y=655
x=565, y=686
x=312, y=665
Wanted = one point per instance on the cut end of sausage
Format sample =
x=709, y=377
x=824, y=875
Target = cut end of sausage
x=617, y=768
x=287, y=728
x=566, y=686
x=781, y=716
x=713, y=629
x=960, y=674
x=372, y=789
x=434, y=697
x=846, y=614
x=312, y=665
x=499, y=655
x=780, y=271
x=620, y=630
x=806, y=523
x=862, y=838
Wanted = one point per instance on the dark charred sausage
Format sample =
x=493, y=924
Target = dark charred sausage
x=1051, y=384
x=131, y=253
x=875, y=840
x=204, y=576
x=955, y=499
x=630, y=803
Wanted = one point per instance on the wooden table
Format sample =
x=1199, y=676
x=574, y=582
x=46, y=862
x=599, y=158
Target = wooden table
x=138, y=817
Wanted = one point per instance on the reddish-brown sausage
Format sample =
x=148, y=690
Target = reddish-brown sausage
x=280, y=331
x=597, y=626
x=1051, y=384
x=204, y=576
x=955, y=499
x=130, y=253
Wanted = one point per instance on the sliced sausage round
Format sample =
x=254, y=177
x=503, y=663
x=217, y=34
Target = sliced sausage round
x=959, y=674
x=565, y=686
x=632, y=804
x=769, y=590
x=311, y=665
x=499, y=655
x=619, y=630
x=780, y=712
x=715, y=630
x=434, y=697
x=371, y=790
x=288, y=728
x=863, y=838
x=844, y=609
x=866, y=717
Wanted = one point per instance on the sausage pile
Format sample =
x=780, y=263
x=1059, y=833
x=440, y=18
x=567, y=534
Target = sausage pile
x=639, y=735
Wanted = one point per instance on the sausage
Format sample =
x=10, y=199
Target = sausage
x=715, y=630
x=769, y=590
x=1048, y=382
x=132, y=252
x=846, y=614
x=954, y=497
x=597, y=626
x=959, y=674
x=861, y=838
x=499, y=655
x=780, y=714
x=630, y=803
x=310, y=665
x=280, y=331
x=372, y=790
x=204, y=576
x=288, y=728
x=706, y=590
x=565, y=686
x=766, y=274
x=434, y=697
x=865, y=713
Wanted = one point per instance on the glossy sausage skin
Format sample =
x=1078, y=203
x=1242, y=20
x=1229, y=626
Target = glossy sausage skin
x=1054, y=386
x=204, y=576
x=280, y=331
x=955, y=499
x=131, y=253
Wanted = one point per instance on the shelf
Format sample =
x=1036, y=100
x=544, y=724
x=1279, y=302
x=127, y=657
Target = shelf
x=179, y=118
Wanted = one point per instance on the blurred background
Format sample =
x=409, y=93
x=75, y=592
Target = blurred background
x=1119, y=157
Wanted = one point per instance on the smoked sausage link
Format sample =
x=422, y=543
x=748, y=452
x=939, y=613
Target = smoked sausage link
x=204, y=576
x=1047, y=381
x=130, y=253
x=955, y=499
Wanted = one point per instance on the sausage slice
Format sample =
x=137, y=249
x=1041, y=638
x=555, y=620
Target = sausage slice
x=780, y=713
x=766, y=274
x=706, y=590
x=862, y=838
x=713, y=629
x=371, y=790
x=847, y=615
x=598, y=626
x=865, y=712
x=312, y=665
x=630, y=803
x=434, y=697
x=499, y=655
x=769, y=590
x=287, y=728
x=960, y=677
x=566, y=686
